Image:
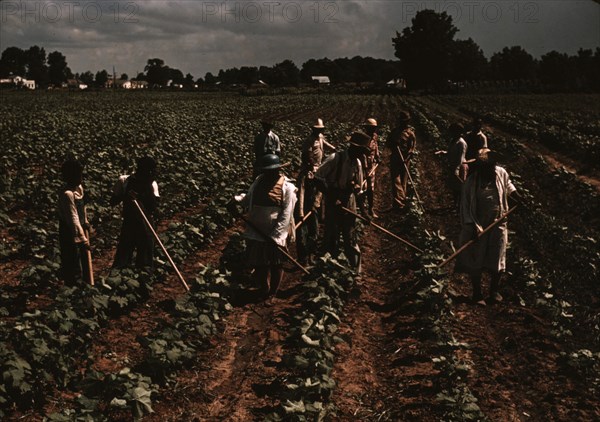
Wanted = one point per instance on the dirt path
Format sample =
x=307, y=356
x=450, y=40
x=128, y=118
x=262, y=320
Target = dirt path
x=381, y=376
x=235, y=374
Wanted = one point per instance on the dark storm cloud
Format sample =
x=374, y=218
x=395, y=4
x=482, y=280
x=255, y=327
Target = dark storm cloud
x=201, y=36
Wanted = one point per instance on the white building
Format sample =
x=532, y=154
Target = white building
x=321, y=80
x=18, y=81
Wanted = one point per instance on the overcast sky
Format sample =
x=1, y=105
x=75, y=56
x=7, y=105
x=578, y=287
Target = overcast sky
x=205, y=36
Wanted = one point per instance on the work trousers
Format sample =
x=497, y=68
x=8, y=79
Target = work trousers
x=399, y=181
x=307, y=234
x=339, y=222
x=74, y=267
x=135, y=237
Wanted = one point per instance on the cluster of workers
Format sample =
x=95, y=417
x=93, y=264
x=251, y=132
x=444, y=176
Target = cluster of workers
x=329, y=188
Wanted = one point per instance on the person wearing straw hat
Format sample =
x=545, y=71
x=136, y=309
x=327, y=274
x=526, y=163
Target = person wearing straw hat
x=484, y=199
x=309, y=198
x=270, y=203
x=401, y=143
x=72, y=224
x=340, y=177
x=135, y=235
x=371, y=159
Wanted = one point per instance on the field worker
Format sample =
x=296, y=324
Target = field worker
x=309, y=198
x=266, y=142
x=340, y=177
x=484, y=199
x=270, y=203
x=371, y=159
x=476, y=139
x=135, y=235
x=401, y=137
x=456, y=158
x=72, y=226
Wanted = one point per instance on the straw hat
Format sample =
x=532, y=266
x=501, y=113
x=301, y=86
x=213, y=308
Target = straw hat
x=319, y=124
x=371, y=122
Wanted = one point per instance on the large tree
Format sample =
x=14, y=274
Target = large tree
x=87, y=78
x=513, y=63
x=210, y=79
x=285, y=73
x=425, y=49
x=157, y=74
x=467, y=61
x=557, y=69
x=36, y=65
x=101, y=78
x=13, y=61
x=58, y=71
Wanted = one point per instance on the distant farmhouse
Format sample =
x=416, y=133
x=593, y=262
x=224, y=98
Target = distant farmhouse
x=127, y=84
x=17, y=82
x=74, y=85
x=399, y=83
x=321, y=80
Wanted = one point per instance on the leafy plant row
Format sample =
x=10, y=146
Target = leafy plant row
x=167, y=349
x=428, y=302
x=551, y=286
x=569, y=132
x=45, y=348
x=309, y=357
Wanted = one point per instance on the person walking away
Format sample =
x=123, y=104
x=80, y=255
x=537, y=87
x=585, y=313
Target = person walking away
x=136, y=237
x=341, y=177
x=270, y=203
x=476, y=140
x=72, y=226
x=309, y=198
x=401, y=137
x=484, y=199
x=371, y=159
x=266, y=141
x=456, y=157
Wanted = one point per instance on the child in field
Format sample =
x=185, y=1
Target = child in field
x=135, y=235
x=73, y=225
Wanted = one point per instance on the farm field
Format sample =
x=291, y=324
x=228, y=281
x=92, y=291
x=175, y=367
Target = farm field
x=400, y=342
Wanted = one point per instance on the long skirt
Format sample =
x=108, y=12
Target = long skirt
x=488, y=253
x=259, y=253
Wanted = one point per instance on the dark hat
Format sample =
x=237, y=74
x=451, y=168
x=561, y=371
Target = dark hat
x=267, y=122
x=146, y=164
x=403, y=116
x=71, y=170
x=361, y=140
x=268, y=162
x=456, y=129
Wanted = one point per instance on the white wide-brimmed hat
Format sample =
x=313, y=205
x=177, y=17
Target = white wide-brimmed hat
x=319, y=124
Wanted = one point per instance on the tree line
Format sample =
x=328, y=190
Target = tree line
x=428, y=52
x=430, y=56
